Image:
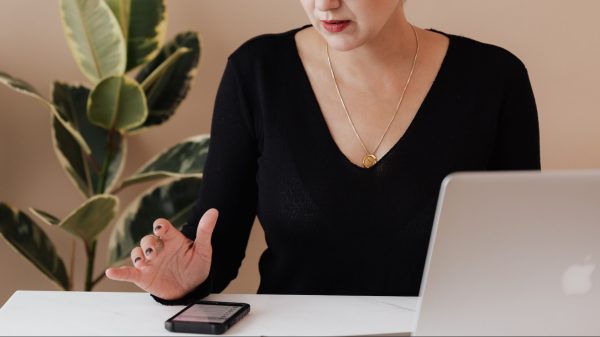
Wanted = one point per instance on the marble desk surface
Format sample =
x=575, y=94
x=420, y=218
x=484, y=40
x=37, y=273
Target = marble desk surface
x=130, y=314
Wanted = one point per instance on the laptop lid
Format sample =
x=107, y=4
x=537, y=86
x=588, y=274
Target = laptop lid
x=514, y=253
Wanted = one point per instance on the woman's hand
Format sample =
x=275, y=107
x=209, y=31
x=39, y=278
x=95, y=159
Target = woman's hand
x=167, y=264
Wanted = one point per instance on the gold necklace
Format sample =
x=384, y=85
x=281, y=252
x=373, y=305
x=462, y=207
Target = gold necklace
x=370, y=158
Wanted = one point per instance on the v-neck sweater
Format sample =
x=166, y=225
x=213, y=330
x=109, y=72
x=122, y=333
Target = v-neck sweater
x=330, y=226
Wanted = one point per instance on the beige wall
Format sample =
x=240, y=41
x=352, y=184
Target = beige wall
x=558, y=40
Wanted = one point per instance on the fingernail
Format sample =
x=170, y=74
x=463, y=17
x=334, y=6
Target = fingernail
x=137, y=259
x=149, y=251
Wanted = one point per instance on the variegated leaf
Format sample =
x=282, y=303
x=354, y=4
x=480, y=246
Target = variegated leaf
x=144, y=25
x=186, y=158
x=117, y=103
x=45, y=217
x=84, y=170
x=94, y=37
x=92, y=217
x=30, y=241
x=27, y=89
x=167, y=86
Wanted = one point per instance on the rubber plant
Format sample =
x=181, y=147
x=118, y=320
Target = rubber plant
x=136, y=82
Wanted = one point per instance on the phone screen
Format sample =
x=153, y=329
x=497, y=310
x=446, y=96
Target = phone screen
x=207, y=317
x=208, y=313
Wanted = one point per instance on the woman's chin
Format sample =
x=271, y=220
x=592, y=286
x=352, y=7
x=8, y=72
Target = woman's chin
x=342, y=43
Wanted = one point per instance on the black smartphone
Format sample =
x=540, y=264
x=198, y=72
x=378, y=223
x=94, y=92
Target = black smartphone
x=207, y=317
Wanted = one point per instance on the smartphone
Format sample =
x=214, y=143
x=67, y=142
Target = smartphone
x=207, y=317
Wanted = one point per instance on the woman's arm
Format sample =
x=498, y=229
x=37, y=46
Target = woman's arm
x=229, y=185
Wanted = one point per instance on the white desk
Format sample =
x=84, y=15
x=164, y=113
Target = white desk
x=102, y=313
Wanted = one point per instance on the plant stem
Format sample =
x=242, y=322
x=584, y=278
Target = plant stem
x=115, y=190
x=72, y=269
x=98, y=279
x=88, y=176
x=91, y=254
x=110, y=151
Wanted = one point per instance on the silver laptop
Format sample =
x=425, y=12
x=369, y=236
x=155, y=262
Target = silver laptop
x=514, y=254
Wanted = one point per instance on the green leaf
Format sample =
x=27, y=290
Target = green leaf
x=19, y=85
x=83, y=169
x=92, y=217
x=94, y=37
x=117, y=103
x=185, y=159
x=25, y=88
x=174, y=201
x=143, y=23
x=45, y=217
x=163, y=68
x=168, y=90
x=88, y=220
x=32, y=243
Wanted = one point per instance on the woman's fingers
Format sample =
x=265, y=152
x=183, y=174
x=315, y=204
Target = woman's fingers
x=164, y=229
x=137, y=257
x=150, y=246
x=124, y=273
x=205, y=228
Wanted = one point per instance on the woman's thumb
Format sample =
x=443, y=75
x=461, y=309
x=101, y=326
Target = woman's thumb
x=206, y=227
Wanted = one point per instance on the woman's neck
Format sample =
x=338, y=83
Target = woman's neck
x=391, y=52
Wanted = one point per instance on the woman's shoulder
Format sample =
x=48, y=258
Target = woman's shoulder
x=483, y=56
x=266, y=47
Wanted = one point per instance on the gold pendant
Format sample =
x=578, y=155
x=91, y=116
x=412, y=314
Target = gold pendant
x=369, y=160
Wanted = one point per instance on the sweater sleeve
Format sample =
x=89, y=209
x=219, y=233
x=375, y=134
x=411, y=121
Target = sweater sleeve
x=229, y=185
x=517, y=145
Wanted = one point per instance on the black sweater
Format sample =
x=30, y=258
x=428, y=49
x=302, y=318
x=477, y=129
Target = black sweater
x=330, y=226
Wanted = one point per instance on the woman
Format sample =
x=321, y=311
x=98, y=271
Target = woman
x=338, y=135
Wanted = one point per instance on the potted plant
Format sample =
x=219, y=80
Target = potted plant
x=135, y=82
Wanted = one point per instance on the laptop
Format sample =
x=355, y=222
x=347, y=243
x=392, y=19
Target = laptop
x=514, y=253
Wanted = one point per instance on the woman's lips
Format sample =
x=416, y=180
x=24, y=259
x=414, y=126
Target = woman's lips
x=335, y=26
